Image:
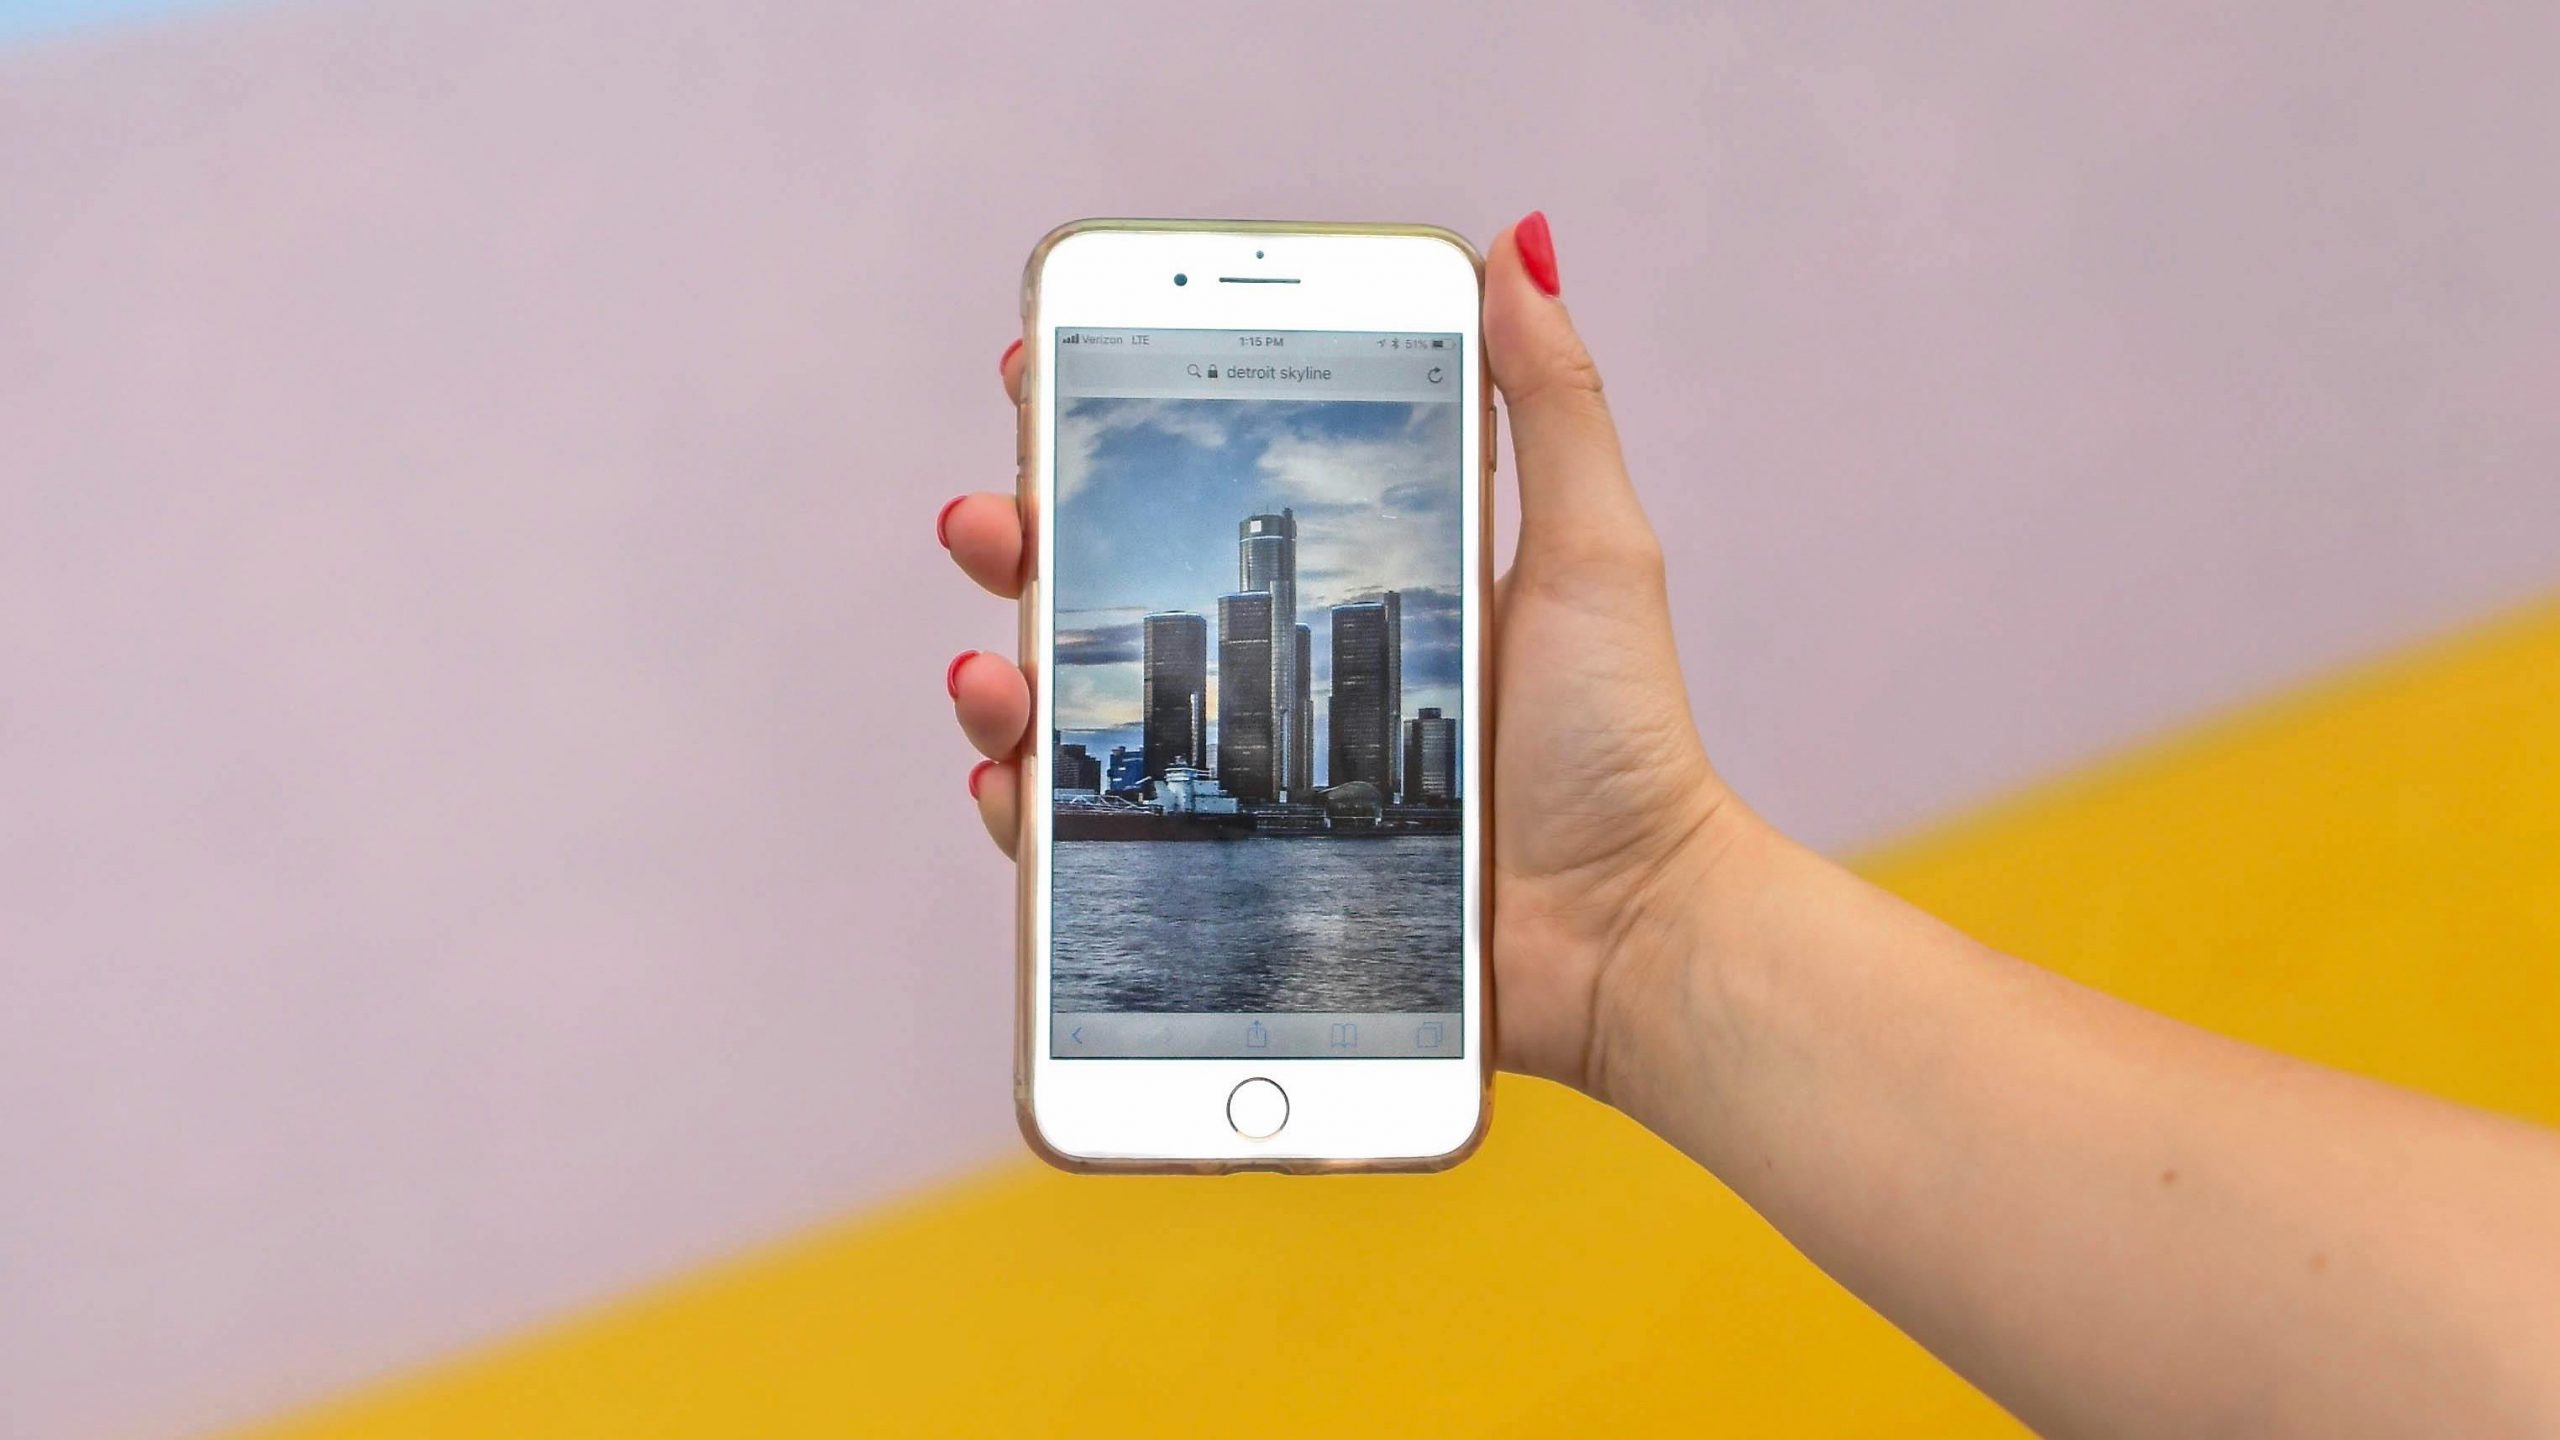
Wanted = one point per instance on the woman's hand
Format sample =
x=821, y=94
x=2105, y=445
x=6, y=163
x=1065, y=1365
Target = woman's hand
x=2112, y=1223
x=1604, y=807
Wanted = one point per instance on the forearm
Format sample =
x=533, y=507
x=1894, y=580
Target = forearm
x=2110, y=1221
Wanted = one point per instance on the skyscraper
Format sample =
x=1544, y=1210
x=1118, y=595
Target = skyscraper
x=1430, y=758
x=1302, y=734
x=1077, y=770
x=1175, y=669
x=1250, y=742
x=1367, y=701
x=1267, y=562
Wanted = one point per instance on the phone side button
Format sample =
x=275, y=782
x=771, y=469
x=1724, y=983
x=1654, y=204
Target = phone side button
x=1258, y=1109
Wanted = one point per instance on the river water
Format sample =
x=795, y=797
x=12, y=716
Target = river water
x=1262, y=925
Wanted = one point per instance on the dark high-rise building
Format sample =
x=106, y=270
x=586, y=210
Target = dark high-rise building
x=1267, y=562
x=1250, y=742
x=1076, y=770
x=1367, y=702
x=1430, y=758
x=1175, y=681
x=1302, y=735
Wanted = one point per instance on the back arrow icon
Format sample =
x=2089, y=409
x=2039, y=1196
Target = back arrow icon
x=1077, y=1034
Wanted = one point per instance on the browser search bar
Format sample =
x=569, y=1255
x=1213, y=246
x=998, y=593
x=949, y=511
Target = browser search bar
x=1420, y=376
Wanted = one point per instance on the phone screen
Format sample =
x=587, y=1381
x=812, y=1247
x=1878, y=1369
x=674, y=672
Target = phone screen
x=1258, y=765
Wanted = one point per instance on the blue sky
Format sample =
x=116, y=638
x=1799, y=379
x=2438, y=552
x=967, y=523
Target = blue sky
x=21, y=19
x=1151, y=491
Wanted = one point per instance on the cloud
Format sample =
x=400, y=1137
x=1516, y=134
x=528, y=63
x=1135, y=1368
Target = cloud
x=1096, y=697
x=1437, y=667
x=1084, y=425
x=1383, y=508
x=1315, y=467
x=1413, y=600
x=1121, y=644
x=1434, y=636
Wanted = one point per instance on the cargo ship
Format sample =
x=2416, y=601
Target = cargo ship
x=1189, y=805
x=1096, y=822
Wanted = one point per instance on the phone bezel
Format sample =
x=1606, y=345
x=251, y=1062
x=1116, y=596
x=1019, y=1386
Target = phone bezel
x=1171, y=1114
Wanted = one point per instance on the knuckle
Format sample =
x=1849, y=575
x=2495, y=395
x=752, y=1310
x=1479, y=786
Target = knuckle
x=1575, y=371
x=1566, y=373
x=1650, y=567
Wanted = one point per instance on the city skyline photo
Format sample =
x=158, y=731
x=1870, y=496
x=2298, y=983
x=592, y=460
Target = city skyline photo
x=1151, y=495
x=1258, y=607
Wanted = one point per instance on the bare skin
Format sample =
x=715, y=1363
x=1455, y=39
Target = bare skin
x=2111, y=1222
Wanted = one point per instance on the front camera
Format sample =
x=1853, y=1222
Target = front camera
x=1181, y=279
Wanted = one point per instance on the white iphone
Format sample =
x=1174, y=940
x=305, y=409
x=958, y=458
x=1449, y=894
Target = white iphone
x=1255, y=486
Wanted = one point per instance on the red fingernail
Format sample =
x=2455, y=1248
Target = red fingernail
x=978, y=773
x=942, y=522
x=1538, y=251
x=1007, y=357
x=951, y=676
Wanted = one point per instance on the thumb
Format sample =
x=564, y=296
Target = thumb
x=1576, y=502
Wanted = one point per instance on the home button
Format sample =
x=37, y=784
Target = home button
x=1258, y=1108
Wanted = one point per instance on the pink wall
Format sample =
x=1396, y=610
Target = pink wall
x=478, y=822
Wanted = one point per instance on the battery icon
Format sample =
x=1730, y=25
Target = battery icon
x=1439, y=344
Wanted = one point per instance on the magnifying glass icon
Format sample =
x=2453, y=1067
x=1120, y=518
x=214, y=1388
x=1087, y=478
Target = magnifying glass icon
x=1191, y=370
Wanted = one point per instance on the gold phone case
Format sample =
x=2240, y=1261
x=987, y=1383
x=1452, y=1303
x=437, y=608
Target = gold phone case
x=1035, y=768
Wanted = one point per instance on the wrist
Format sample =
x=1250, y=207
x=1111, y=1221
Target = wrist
x=1664, y=1007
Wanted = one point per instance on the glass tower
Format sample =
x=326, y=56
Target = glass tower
x=1366, y=708
x=1250, y=741
x=1430, y=757
x=1302, y=734
x=1267, y=563
x=1175, y=670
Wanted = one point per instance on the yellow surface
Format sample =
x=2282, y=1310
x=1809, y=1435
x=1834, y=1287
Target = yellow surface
x=2368, y=873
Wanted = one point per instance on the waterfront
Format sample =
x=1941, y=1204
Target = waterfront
x=1257, y=926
